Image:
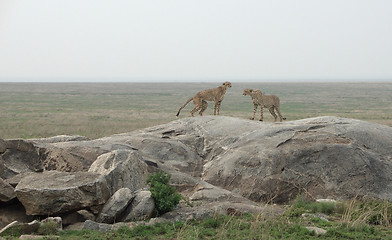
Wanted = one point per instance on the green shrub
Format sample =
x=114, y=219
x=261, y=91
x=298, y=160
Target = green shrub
x=164, y=195
x=48, y=228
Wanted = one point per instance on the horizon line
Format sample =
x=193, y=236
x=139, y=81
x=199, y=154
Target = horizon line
x=193, y=80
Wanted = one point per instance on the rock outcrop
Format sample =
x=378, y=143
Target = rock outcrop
x=54, y=192
x=227, y=164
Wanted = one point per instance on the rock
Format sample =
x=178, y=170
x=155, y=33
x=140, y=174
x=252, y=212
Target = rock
x=115, y=206
x=54, y=192
x=60, y=138
x=57, y=220
x=122, y=169
x=317, y=230
x=157, y=220
x=207, y=192
x=67, y=153
x=215, y=159
x=326, y=200
x=324, y=156
x=102, y=227
x=78, y=226
x=3, y=146
x=18, y=156
x=141, y=208
x=7, y=192
x=13, y=181
x=207, y=210
x=320, y=216
x=73, y=159
x=77, y=217
x=173, y=154
x=31, y=237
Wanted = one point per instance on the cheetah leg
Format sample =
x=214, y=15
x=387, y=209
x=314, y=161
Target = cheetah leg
x=254, y=111
x=271, y=109
x=280, y=115
x=217, y=107
x=204, y=106
x=261, y=112
x=198, y=105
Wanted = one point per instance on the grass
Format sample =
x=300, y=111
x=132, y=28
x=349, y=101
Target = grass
x=31, y=110
x=353, y=219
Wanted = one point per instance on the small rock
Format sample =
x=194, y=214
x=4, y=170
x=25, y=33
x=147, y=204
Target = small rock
x=75, y=226
x=317, y=215
x=77, y=217
x=317, y=230
x=157, y=220
x=102, y=227
x=326, y=200
x=31, y=237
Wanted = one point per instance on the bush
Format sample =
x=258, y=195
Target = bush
x=48, y=228
x=164, y=195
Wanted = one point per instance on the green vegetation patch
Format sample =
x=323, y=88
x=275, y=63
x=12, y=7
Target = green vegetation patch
x=164, y=195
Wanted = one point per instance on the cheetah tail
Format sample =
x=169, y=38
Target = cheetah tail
x=179, y=110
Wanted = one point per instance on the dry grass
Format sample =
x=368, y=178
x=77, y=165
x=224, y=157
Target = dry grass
x=29, y=110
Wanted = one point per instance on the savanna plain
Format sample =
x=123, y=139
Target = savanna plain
x=34, y=110
x=94, y=110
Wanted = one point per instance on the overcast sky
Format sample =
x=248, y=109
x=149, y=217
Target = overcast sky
x=197, y=40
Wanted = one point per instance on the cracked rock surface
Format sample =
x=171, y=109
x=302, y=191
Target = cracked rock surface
x=324, y=157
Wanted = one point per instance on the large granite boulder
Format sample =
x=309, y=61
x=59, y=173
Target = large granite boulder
x=264, y=161
x=321, y=157
x=54, y=192
x=122, y=169
x=62, y=153
x=66, y=153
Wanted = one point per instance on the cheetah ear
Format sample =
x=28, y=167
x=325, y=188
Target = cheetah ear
x=250, y=90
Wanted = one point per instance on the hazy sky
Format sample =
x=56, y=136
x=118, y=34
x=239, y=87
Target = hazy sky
x=199, y=40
